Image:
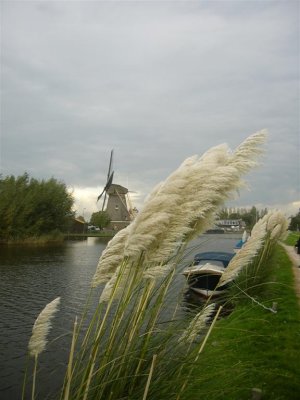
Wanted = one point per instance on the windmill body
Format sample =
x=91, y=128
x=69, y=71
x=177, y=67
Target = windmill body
x=116, y=206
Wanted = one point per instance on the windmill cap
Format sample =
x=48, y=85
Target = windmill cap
x=117, y=188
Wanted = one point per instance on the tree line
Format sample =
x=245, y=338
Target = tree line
x=249, y=216
x=252, y=215
x=33, y=208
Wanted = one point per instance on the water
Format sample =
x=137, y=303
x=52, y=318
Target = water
x=31, y=277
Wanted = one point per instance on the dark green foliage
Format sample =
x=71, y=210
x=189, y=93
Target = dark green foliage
x=100, y=219
x=295, y=222
x=32, y=208
x=292, y=238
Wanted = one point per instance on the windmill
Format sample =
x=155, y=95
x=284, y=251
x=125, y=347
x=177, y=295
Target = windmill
x=117, y=200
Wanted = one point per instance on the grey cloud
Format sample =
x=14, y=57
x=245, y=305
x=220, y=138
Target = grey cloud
x=156, y=81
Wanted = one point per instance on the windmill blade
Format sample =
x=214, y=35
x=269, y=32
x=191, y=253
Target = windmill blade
x=110, y=164
x=100, y=195
x=107, y=186
x=103, y=205
x=109, y=181
x=110, y=175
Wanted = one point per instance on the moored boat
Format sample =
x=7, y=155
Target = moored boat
x=205, y=272
x=240, y=243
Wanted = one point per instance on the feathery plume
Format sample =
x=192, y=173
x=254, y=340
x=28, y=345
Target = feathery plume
x=171, y=210
x=245, y=156
x=121, y=275
x=189, y=198
x=157, y=272
x=107, y=291
x=182, y=206
x=246, y=253
x=110, y=258
x=197, y=324
x=274, y=219
x=41, y=327
x=276, y=232
x=284, y=229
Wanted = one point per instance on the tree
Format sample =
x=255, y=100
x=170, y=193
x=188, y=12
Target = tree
x=295, y=222
x=29, y=207
x=100, y=219
x=250, y=216
x=223, y=213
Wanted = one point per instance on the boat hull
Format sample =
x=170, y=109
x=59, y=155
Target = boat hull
x=204, y=275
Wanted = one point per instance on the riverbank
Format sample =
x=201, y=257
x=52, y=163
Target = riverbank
x=254, y=348
x=295, y=259
x=102, y=234
x=34, y=240
x=54, y=239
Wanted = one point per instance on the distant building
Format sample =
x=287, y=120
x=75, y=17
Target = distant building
x=78, y=226
x=231, y=224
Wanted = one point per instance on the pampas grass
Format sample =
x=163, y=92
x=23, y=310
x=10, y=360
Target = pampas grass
x=41, y=327
x=138, y=266
x=197, y=325
x=129, y=351
x=38, y=340
x=265, y=232
x=182, y=206
x=110, y=258
x=246, y=254
x=246, y=271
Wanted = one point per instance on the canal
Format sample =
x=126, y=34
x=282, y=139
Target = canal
x=31, y=277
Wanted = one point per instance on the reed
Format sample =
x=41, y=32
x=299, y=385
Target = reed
x=38, y=339
x=246, y=273
x=130, y=351
x=41, y=327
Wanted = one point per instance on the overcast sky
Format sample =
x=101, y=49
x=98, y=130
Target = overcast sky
x=157, y=81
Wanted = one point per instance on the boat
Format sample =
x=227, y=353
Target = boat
x=205, y=272
x=215, y=231
x=238, y=246
x=240, y=243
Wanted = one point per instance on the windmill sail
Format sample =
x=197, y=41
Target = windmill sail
x=110, y=175
x=107, y=186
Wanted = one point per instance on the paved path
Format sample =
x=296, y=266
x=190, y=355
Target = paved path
x=295, y=258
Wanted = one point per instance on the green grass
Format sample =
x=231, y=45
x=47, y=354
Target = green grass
x=50, y=238
x=89, y=234
x=292, y=238
x=253, y=347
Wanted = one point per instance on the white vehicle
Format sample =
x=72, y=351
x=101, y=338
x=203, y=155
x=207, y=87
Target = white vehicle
x=93, y=228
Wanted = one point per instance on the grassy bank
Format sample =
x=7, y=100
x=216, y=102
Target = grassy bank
x=89, y=234
x=292, y=238
x=51, y=238
x=253, y=347
x=56, y=238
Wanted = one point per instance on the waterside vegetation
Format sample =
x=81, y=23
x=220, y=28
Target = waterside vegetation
x=33, y=211
x=129, y=350
x=292, y=238
x=254, y=347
